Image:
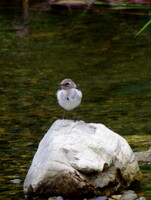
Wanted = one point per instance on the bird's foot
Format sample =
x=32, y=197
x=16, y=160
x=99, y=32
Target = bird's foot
x=75, y=119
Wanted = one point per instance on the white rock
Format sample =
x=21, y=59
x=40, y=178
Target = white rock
x=75, y=158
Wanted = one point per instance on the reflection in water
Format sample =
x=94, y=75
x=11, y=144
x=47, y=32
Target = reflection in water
x=99, y=52
x=23, y=29
x=25, y=10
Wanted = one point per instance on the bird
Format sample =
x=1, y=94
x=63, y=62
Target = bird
x=69, y=95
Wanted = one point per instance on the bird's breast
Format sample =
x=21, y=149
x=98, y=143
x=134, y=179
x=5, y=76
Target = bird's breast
x=69, y=99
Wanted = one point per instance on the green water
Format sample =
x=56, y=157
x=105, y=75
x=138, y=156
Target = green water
x=100, y=52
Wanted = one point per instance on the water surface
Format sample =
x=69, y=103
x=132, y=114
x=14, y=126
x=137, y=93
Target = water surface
x=100, y=52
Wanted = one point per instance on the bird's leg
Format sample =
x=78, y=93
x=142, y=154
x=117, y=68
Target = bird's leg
x=75, y=118
x=64, y=114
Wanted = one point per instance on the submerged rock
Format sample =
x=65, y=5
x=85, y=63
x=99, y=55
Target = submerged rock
x=16, y=181
x=75, y=159
x=144, y=156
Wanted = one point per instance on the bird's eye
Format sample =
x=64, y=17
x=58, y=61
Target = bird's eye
x=66, y=84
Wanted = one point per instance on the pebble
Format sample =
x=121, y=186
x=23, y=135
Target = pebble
x=55, y=198
x=117, y=197
x=129, y=195
x=141, y=198
x=99, y=198
x=59, y=198
x=52, y=198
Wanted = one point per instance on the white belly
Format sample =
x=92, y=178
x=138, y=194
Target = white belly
x=69, y=99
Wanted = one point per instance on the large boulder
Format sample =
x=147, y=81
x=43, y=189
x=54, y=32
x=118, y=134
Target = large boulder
x=76, y=159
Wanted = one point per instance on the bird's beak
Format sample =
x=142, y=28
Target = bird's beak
x=58, y=84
